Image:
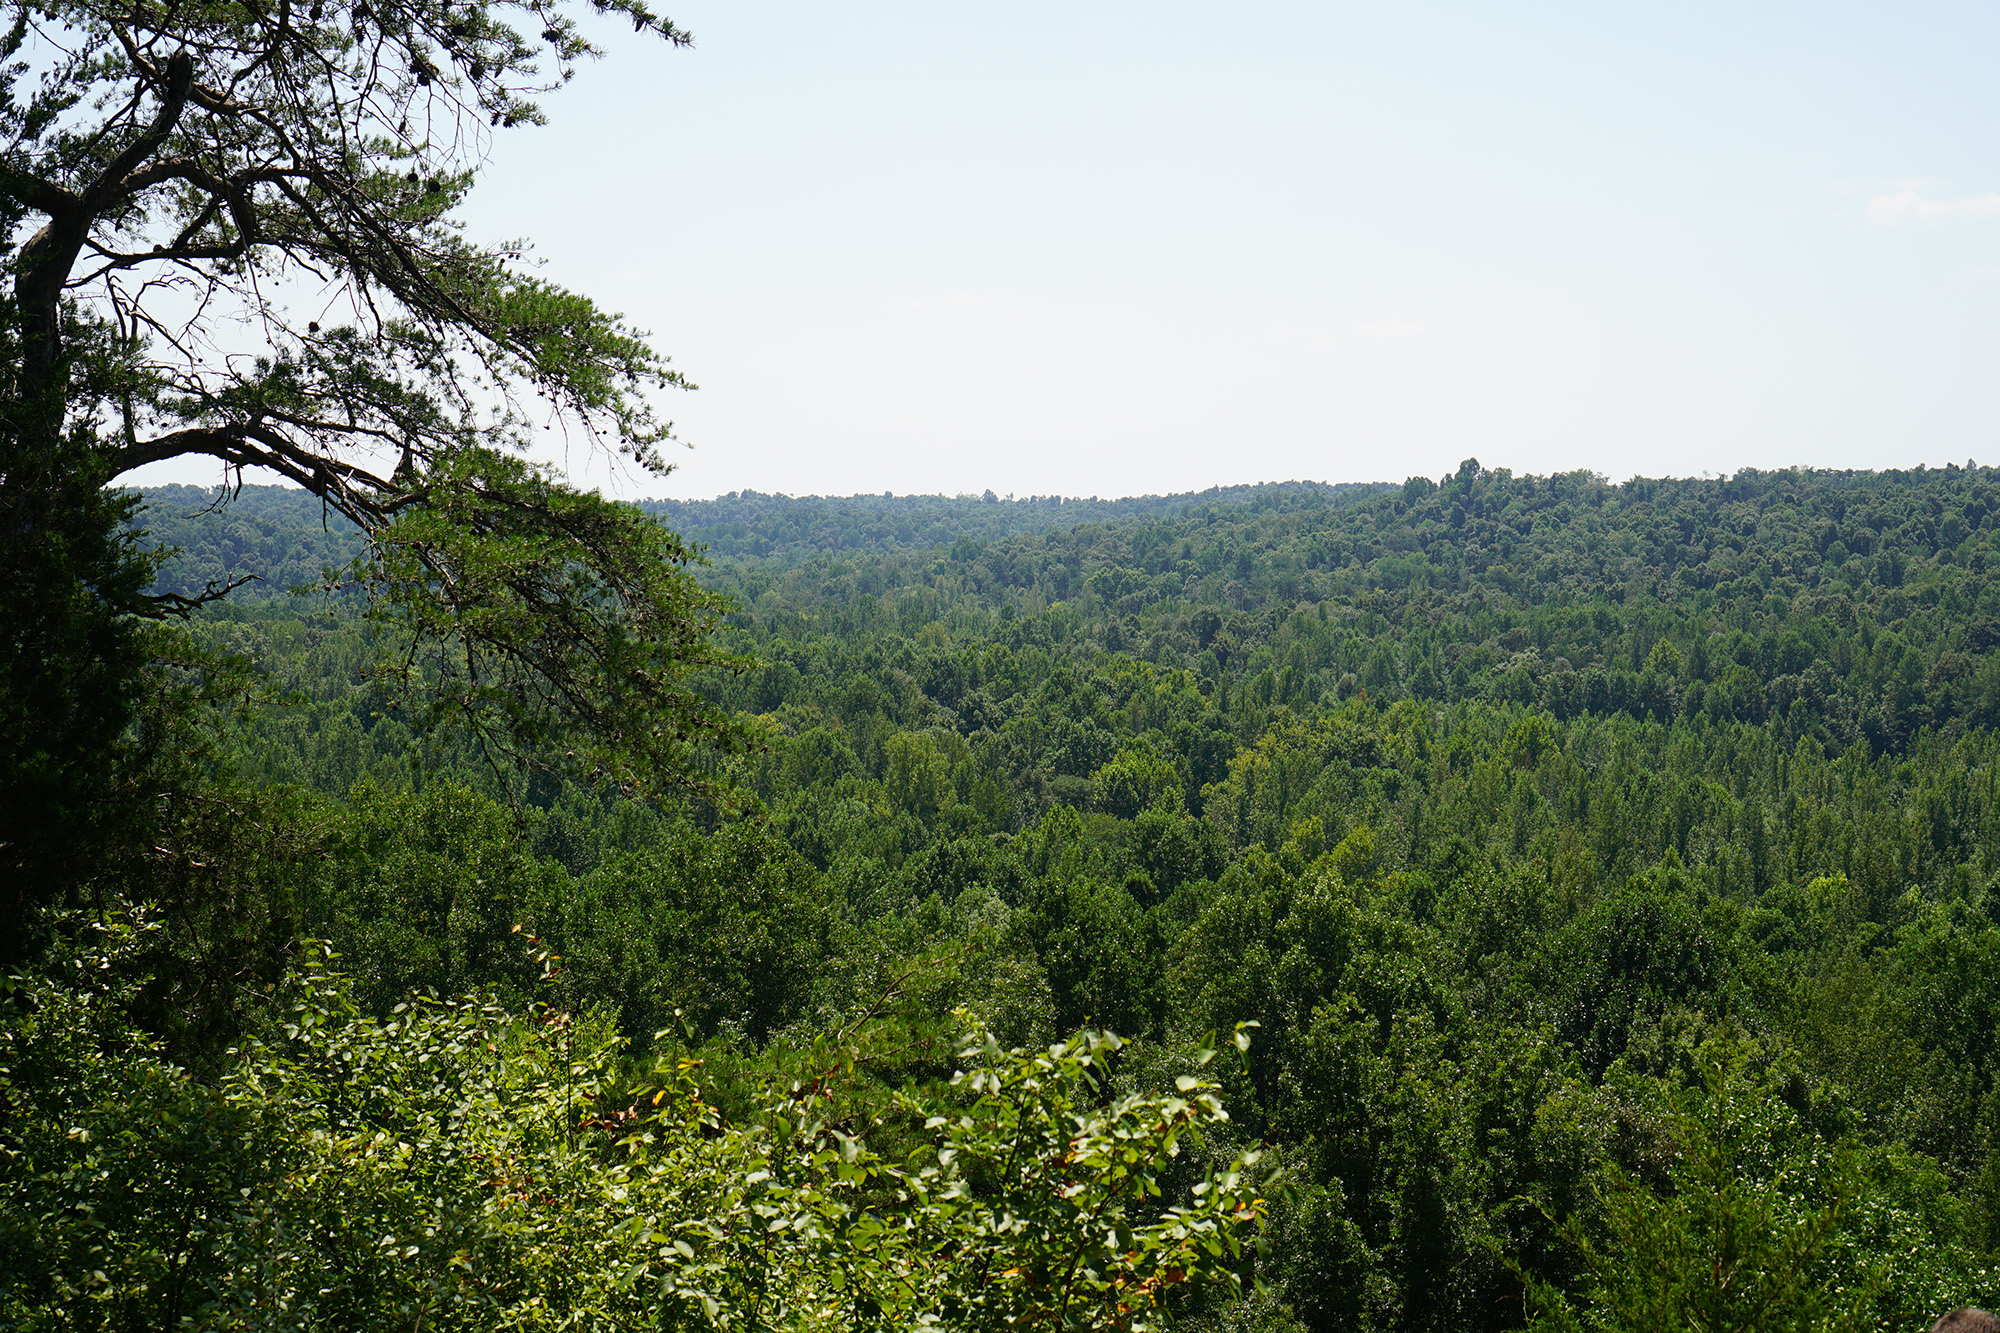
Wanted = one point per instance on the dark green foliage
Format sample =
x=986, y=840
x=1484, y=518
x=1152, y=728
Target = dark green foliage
x=117, y=1164
x=1752, y=1220
x=288, y=538
x=75, y=665
x=1626, y=963
x=74, y=659
x=423, y=892
x=465, y=1166
x=554, y=629
x=1502, y=825
x=747, y=524
x=723, y=934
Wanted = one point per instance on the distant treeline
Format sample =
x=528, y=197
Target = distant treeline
x=288, y=539
x=747, y=523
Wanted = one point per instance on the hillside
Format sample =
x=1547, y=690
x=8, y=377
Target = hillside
x=287, y=539
x=1616, y=854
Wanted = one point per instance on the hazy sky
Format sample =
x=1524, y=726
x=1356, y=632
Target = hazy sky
x=1110, y=248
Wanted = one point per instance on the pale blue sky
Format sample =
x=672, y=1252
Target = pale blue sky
x=1108, y=248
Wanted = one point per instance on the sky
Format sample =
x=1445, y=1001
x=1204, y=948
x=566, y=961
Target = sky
x=1110, y=248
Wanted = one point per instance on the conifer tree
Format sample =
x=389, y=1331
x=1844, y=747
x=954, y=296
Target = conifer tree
x=228, y=232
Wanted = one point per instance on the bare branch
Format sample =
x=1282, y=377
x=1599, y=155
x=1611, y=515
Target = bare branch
x=176, y=605
x=352, y=489
x=43, y=196
x=110, y=183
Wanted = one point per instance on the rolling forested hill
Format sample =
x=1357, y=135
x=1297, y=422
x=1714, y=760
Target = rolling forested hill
x=287, y=539
x=1610, y=868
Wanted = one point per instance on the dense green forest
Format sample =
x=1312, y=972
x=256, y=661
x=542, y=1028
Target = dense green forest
x=434, y=896
x=1607, y=871
x=286, y=538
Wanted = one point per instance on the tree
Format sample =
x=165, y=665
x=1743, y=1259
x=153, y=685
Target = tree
x=460, y=1165
x=227, y=232
x=1746, y=1237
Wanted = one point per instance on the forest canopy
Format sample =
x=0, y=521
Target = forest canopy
x=1606, y=868
x=228, y=233
x=1491, y=902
